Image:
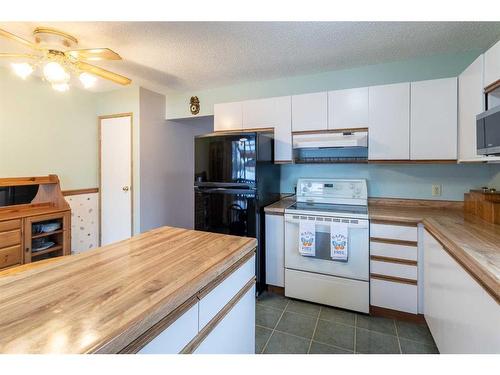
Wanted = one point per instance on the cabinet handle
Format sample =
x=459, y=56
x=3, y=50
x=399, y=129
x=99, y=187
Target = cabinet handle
x=125, y=188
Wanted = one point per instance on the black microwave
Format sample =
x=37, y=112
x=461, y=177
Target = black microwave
x=488, y=132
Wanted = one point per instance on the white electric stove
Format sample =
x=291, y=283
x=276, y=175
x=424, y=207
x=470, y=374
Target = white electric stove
x=319, y=278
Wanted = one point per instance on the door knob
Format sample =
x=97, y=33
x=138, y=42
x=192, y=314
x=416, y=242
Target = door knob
x=125, y=188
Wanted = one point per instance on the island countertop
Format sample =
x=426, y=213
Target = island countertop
x=103, y=299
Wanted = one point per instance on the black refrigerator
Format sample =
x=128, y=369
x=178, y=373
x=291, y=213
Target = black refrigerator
x=235, y=178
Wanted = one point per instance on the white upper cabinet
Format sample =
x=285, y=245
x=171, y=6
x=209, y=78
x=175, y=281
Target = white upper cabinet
x=310, y=112
x=433, y=124
x=228, y=116
x=470, y=104
x=348, y=108
x=272, y=113
x=492, y=64
x=389, y=122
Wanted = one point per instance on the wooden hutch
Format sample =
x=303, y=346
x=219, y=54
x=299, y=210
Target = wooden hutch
x=29, y=208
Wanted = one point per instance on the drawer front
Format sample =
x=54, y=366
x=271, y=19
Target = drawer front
x=393, y=250
x=404, y=271
x=235, y=333
x=393, y=295
x=10, y=256
x=176, y=336
x=214, y=301
x=393, y=232
x=328, y=290
x=10, y=225
x=10, y=238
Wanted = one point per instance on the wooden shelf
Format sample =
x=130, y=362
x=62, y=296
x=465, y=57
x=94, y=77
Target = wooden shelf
x=41, y=235
x=46, y=251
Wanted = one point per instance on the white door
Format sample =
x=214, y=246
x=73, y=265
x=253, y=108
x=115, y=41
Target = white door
x=116, y=178
x=389, y=128
x=348, y=108
x=433, y=123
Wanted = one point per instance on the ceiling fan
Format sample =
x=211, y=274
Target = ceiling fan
x=55, y=53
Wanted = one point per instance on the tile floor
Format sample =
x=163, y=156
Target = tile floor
x=288, y=326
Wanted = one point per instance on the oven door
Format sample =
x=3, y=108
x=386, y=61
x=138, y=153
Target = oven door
x=357, y=265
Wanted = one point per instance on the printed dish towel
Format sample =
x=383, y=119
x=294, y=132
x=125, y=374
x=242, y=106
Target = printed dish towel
x=307, y=238
x=339, y=241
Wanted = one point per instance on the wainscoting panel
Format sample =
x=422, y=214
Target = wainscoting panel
x=84, y=221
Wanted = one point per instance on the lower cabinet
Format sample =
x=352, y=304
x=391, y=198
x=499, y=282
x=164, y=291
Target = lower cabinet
x=394, y=267
x=221, y=320
x=461, y=315
x=173, y=339
x=235, y=333
x=275, y=250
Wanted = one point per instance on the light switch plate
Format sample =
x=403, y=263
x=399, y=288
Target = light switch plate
x=436, y=190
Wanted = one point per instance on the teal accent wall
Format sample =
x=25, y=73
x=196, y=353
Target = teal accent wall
x=432, y=67
x=401, y=181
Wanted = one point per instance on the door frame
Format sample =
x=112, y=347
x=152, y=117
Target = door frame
x=99, y=145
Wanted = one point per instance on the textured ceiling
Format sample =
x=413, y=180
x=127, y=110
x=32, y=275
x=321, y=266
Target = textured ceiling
x=178, y=56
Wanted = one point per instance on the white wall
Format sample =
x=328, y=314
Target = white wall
x=43, y=131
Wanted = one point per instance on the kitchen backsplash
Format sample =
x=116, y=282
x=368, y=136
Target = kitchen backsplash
x=401, y=181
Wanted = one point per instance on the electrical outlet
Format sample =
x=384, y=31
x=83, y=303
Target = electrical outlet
x=436, y=190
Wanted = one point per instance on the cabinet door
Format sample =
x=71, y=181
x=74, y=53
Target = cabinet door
x=309, y=112
x=228, y=116
x=492, y=65
x=235, y=333
x=433, y=124
x=389, y=124
x=272, y=113
x=275, y=250
x=470, y=104
x=462, y=316
x=348, y=108
x=176, y=336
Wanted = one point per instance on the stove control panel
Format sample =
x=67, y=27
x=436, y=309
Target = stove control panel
x=332, y=191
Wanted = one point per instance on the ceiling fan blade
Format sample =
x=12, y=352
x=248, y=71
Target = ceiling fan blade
x=18, y=39
x=18, y=55
x=93, y=54
x=103, y=73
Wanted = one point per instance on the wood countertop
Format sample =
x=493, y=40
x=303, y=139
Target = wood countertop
x=103, y=299
x=278, y=208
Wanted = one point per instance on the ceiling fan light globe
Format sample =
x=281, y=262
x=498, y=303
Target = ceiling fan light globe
x=22, y=70
x=61, y=87
x=55, y=73
x=87, y=80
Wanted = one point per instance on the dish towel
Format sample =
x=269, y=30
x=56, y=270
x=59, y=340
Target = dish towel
x=307, y=238
x=339, y=241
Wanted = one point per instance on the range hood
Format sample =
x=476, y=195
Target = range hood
x=330, y=140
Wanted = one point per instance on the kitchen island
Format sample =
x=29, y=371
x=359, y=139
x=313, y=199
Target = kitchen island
x=168, y=290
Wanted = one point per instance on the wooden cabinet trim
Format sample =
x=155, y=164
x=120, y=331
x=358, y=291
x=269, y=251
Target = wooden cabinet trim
x=393, y=260
x=396, y=314
x=394, y=242
x=492, y=87
x=223, y=276
x=80, y=191
x=195, y=342
x=393, y=279
x=393, y=222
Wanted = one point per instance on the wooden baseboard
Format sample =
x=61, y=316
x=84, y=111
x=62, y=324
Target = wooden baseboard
x=398, y=315
x=276, y=290
x=80, y=191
